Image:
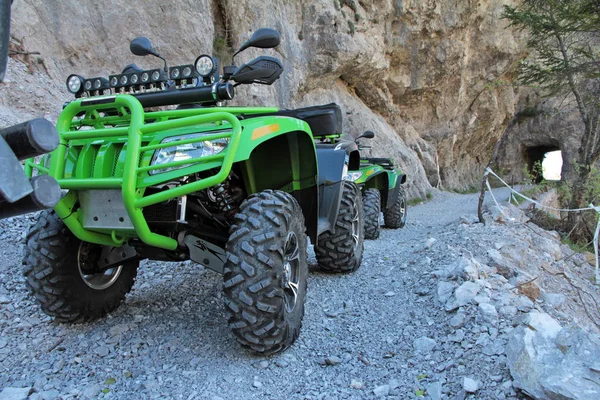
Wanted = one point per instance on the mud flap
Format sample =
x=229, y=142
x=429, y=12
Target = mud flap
x=205, y=253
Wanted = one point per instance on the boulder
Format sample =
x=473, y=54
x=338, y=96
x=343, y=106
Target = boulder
x=551, y=362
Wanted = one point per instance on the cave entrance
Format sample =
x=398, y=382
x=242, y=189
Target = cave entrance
x=544, y=162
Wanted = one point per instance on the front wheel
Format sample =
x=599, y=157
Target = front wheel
x=265, y=275
x=342, y=251
x=372, y=206
x=60, y=272
x=395, y=215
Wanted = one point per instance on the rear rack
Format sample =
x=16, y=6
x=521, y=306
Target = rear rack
x=136, y=123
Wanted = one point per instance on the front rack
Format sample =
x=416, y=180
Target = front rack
x=131, y=126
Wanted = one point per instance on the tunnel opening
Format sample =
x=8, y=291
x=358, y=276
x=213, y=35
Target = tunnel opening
x=544, y=163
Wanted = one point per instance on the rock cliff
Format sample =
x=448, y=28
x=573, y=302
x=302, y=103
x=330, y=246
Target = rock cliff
x=429, y=77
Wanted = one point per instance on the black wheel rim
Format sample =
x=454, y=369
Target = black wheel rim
x=95, y=280
x=291, y=268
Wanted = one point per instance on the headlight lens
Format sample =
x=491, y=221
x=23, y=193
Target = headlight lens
x=88, y=85
x=353, y=176
x=97, y=84
x=114, y=81
x=74, y=83
x=123, y=80
x=174, y=73
x=205, y=65
x=145, y=77
x=188, y=151
x=187, y=71
x=155, y=75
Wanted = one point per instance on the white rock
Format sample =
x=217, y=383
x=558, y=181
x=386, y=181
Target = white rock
x=13, y=393
x=381, y=391
x=488, y=313
x=466, y=293
x=430, y=242
x=543, y=324
x=434, y=390
x=356, y=384
x=424, y=344
x=444, y=291
x=470, y=385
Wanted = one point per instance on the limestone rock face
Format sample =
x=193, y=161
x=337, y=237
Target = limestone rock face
x=429, y=77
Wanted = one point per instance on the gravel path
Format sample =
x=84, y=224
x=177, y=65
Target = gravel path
x=377, y=332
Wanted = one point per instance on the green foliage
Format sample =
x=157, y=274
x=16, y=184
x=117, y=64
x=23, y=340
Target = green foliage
x=110, y=381
x=564, y=40
x=467, y=190
x=419, y=393
x=559, y=33
x=221, y=48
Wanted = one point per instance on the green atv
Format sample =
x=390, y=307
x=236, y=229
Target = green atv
x=380, y=183
x=236, y=189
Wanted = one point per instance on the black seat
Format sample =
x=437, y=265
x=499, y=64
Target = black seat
x=323, y=120
x=384, y=162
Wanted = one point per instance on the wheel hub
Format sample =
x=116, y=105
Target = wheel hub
x=88, y=270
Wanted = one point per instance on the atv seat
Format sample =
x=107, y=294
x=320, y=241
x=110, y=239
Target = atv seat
x=323, y=120
x=384, y=162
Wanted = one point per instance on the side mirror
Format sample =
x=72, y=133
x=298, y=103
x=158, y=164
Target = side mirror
x=263, y=38
x=141, y=46
x=366, y=135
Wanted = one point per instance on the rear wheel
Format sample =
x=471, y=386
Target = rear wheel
x=60, y=271
x=395, y=216
x=342, y=251
x=265, y=275
x=372, y=206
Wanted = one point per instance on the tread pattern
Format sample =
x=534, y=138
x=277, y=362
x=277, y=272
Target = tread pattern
x=372, y=207
x=335, y=251
x=52, y=275
x=253, y=272
x=395, y=216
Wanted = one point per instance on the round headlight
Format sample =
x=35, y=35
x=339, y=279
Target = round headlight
x=97, y=84
x=187, y=71
x=87, y=85
x=175, y=73
x=134, y=79
x=74, y=83
x=114, y=81
x=204, y=65
x=123, y=80
x=145, y=77
x=155, y=75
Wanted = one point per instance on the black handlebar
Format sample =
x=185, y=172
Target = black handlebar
x=219, y=91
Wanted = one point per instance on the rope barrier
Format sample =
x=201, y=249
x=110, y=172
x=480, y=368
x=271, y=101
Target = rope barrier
x=513, y=191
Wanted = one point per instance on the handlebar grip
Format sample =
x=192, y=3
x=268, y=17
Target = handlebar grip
x=31, y=138
x=46, y=194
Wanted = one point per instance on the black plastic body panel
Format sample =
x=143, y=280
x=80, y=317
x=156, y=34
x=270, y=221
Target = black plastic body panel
x=331, y=169
x=393, y=194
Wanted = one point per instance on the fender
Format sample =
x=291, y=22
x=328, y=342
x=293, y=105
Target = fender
x=395, y=190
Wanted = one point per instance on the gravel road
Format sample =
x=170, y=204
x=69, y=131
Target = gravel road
x=378, y=332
